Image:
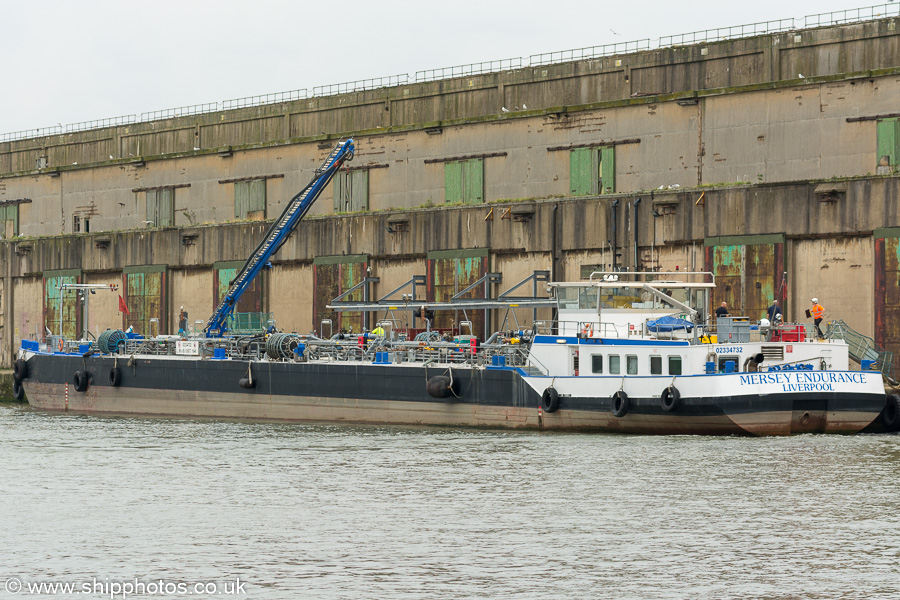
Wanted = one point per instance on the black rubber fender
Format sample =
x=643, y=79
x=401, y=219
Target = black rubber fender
x=246, y=383
x=18, y=390
x=619, y=404
x=890, y=415
x=82, y=380
x=550, y=400
x=439, y=386
x=20, y=370
x=115, y=376
x=670, y=399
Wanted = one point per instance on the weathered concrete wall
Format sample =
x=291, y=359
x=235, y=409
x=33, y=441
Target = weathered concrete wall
x=839, y=272
x=193, y=289
x=289, y=290
x=103, y=306
x=755, y=137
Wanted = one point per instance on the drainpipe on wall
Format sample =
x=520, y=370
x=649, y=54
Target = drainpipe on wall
x=636, y=202
x=615, y=238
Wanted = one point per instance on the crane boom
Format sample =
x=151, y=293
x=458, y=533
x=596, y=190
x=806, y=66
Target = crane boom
x=277, y=235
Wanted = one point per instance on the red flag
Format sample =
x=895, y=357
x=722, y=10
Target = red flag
x=122, y=306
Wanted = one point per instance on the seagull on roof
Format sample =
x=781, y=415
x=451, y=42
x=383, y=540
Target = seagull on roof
x=504, y=109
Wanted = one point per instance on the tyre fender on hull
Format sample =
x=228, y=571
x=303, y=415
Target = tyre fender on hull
x=20, y=370
x=440, y=386
x=18, y=390
x=246, y=383
x=115, y=376
x=620, y=404
x=890, y=415
x=670, y=399
x=550, y=400
x=82, y=380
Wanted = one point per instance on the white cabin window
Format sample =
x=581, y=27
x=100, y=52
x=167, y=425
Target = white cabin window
x=631, y=364
x=674, y=365
x=615, y=364
x=656, y=365
x=597, y=363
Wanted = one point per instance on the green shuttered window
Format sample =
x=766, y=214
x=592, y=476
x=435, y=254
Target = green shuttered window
x=592, y=171
x=250, y=200
x=888, y=146
x=351, y=191
x=464, y=181
x=9, y=221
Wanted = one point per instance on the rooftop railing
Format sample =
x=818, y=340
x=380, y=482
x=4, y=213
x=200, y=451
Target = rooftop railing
x=843, y=17
x=493, y=66
x=588, y=53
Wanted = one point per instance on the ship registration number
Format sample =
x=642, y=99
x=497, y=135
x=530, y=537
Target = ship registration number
x=728, y=349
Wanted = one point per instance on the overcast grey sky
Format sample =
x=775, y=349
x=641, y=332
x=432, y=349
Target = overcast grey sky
x=66, y=62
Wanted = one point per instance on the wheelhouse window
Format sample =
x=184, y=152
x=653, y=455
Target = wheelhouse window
x=631, y=364
x=615, y=366
x=674, y=365
x=597, y=363
x=656, y=365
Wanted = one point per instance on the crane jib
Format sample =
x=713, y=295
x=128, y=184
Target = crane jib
x=277, y=235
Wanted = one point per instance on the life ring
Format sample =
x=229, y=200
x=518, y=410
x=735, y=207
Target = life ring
x=115, y=376
x=587, y=330
x=61, y=345
x=20, y=370
x=550, y=400
x=890, y=415
x=81, y=381
x=18, y=390
x=670, y=399
x=619, y=404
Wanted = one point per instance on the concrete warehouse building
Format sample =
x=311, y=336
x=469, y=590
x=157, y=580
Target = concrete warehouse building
x=769, y=157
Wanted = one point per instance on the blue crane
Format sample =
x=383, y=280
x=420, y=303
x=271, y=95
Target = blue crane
x=277, y=235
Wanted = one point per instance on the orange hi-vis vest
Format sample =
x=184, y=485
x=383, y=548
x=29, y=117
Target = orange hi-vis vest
x=817, y=311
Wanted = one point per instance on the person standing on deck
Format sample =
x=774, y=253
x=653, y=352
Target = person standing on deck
x=722, y=311
x=773, y=312
x=182, y=322
x=818, y=313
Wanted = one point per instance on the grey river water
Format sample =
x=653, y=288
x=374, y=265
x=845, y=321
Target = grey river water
x=326, y=511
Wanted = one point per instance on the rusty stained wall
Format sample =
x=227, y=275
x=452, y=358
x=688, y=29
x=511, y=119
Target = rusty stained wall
x=330, y=281
x=748, y=275
x=887, y=295
x=839, y=272
x=446, y=277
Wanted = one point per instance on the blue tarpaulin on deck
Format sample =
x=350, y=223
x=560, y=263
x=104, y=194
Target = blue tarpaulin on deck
x=668, y=324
